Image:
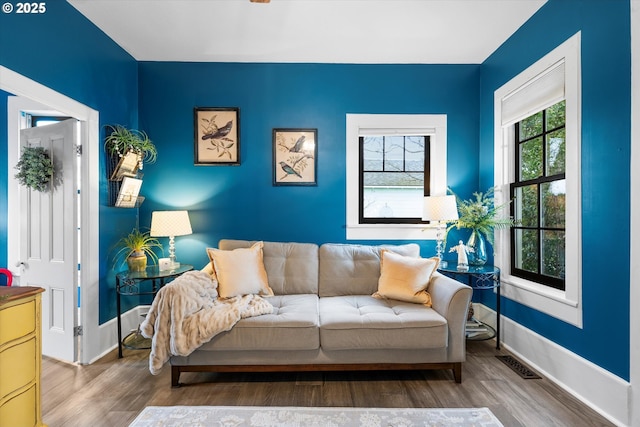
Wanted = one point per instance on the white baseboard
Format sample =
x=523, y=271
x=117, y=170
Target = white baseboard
x=596, y=387
x=109, y=330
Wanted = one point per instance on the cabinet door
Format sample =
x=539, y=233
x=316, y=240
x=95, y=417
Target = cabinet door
x=17, y=366
x=17, y=321
x=20, y=410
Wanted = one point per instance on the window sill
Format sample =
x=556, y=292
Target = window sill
x=542, y=298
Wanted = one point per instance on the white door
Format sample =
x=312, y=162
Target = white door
x=48, y=232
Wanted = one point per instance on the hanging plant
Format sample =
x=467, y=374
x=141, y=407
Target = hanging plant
x=35, y=168
x=123, y=140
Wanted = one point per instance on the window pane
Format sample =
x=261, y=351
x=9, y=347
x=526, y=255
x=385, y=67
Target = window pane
x=531, y=159
x=393, y=179
x=553, y=203
x=556, y=152
x=373, y=153
x=526, y=250
x=556, y=115
x=531, y=126
x=526, y=206
x=414, y=153
x=553, y=254
x=394, y=153
x=390, y=202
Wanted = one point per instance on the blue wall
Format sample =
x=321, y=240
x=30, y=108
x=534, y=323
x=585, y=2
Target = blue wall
x=61, y=49
x=240, y=201
x=70, y=55
x=606, y=104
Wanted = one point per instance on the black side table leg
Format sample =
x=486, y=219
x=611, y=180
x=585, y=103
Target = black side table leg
x=498, y=312
x=119, y=320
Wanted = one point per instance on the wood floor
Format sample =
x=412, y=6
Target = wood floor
x=112, y=391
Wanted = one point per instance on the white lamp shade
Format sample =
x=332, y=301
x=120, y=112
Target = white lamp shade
x=170, y=223
x=440, y=208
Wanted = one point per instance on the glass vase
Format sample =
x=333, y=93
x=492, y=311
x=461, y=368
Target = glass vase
x=477, y=249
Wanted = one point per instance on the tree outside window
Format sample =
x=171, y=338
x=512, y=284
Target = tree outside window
x=539, y=192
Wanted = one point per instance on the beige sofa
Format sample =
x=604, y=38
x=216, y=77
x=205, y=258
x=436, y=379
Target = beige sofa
x=325, y=318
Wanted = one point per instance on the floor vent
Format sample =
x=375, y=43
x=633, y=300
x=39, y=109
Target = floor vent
x=519, y=368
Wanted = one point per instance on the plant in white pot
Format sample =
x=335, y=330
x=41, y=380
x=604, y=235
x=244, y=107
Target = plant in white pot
x=136, y=247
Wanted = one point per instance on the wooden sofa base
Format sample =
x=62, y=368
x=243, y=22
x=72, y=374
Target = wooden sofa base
x=177, y=370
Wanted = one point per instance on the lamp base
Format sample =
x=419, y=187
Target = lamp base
x=166, y=264
x=440, y=246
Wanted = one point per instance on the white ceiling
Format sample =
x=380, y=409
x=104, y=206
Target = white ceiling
x=319, y=31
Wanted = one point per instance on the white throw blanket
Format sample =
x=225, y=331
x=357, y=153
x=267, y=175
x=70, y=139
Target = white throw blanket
x=187, y=313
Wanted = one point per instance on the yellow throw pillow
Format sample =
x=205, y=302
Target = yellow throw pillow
x=405, y=278
x=240, y=271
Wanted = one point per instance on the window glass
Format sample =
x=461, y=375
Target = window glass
x=392, y=178
x=530, y=126
x=530, y=159
x=539, y=193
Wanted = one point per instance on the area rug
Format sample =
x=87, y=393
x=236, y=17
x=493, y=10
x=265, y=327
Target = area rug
x=268, y=416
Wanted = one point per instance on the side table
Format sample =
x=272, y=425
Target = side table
x=129, y=283
x=481, y=278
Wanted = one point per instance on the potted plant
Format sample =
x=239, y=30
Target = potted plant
x=480, y=215
x=122, y=141
x=135, y=247
x=35, y=168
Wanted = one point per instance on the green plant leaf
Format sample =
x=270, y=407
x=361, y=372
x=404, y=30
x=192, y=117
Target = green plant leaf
x=35, y=168
x=137, y=241
x=481, y=214
x=121, y=140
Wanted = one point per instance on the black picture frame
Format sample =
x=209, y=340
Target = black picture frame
x=216, y=136
x=295, y=156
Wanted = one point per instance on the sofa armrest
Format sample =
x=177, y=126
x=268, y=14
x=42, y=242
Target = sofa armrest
x=451, y=299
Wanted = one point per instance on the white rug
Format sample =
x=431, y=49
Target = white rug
x=237, y=416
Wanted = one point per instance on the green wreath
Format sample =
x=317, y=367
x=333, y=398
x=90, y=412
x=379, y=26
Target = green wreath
x=35, y=168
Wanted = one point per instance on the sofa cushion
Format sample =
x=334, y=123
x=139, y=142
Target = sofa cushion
x=405, y=278
x=363, y=322
x=240, y=271
x=347, y=269
x=292, y=268
x=293, y=325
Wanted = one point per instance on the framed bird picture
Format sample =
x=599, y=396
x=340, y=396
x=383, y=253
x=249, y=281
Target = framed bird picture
x=295, y=153
x=217, y=136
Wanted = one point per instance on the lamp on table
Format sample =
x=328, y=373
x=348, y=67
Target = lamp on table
x=440, y=210
x=170, y=224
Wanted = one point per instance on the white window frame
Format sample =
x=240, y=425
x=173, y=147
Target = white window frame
x=433, y=125
x=565, y=305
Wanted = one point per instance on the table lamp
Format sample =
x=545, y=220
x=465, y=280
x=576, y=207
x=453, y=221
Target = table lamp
x=170, y=224
x=440, y=210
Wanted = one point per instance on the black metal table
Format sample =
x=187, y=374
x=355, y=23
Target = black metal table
x=131, y=283
x=481, y=278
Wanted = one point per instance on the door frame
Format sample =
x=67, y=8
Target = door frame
x=23, y=87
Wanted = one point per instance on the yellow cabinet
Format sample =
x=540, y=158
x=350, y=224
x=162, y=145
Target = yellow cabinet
x=20, y=356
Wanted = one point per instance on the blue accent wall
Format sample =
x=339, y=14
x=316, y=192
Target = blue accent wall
x=70, y=55
x=240, y=201
x=606, y=105
x=61, y=49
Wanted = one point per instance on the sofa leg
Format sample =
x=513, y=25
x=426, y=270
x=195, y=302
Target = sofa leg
x=175, y=376
x=457, y=372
